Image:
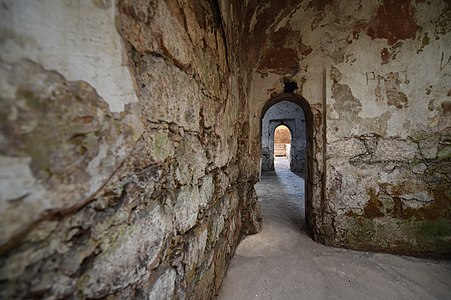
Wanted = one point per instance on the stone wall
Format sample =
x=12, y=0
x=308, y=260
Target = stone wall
x=399, y=200
x=291, y=115
x=120, y=166
x=376, y=77
x=130, y=138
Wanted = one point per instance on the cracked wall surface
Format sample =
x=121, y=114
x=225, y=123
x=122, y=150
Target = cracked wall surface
x=120, y=165
x=130, y=138
x=376, y=76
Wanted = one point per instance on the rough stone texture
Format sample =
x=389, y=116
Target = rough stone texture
x=49, y=33
x=59, y=144
x=291, y=115
x=130, y=138
x=143, y=198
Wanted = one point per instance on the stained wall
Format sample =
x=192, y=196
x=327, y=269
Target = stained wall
x=131, y=135
x=376, y=77
x=120, y=162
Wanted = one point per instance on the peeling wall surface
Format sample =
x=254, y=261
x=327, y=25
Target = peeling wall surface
x=291, y=115
x=119, y=160
x=130, y=137
x=376, y=75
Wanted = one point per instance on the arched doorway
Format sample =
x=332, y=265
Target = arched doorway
x=299, y=122
x=282, y=142
x=291, y=116
x=282, y=147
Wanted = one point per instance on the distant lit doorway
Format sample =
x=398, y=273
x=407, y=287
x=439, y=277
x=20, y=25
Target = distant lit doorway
x=282, y=142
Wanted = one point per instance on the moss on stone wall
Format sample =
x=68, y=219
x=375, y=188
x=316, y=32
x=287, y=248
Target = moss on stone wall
x=167, y=207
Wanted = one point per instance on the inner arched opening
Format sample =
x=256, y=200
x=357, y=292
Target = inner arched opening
x=282, y=147
x=291, y=116
x=282, y=143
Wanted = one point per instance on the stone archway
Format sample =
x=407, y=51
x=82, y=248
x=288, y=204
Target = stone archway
x=268, y=151
x=291, y=115
x=310, y=169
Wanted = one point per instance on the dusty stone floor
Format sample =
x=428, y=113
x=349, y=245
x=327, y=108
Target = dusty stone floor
x=283, y=262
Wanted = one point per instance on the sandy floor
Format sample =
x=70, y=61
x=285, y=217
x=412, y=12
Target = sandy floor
x=282, y=262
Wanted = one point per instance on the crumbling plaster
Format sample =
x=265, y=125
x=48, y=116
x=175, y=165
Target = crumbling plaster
x=379, y=95
x=162, y=101
x=139, y=194
x=55, y=36
x=44, y=45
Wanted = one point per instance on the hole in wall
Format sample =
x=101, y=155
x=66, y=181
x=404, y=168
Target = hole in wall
x=289, y=86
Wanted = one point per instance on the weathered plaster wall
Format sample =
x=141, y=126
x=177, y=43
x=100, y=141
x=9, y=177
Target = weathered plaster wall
x=51, y=34
x=130, y=135
x=120, y=164
x=38, y=38
x=376, y=76
x=388, y=170
x=291, y=115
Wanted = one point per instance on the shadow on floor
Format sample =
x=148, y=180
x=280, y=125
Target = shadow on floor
x=282, y=192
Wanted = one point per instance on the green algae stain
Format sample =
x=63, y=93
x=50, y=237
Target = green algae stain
x=400, y=236
x=444, y=153
x=437, y=228
x=161, y=146
x=362, y=231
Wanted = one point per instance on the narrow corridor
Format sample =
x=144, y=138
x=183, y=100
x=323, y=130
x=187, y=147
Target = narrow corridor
x=283, y=262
